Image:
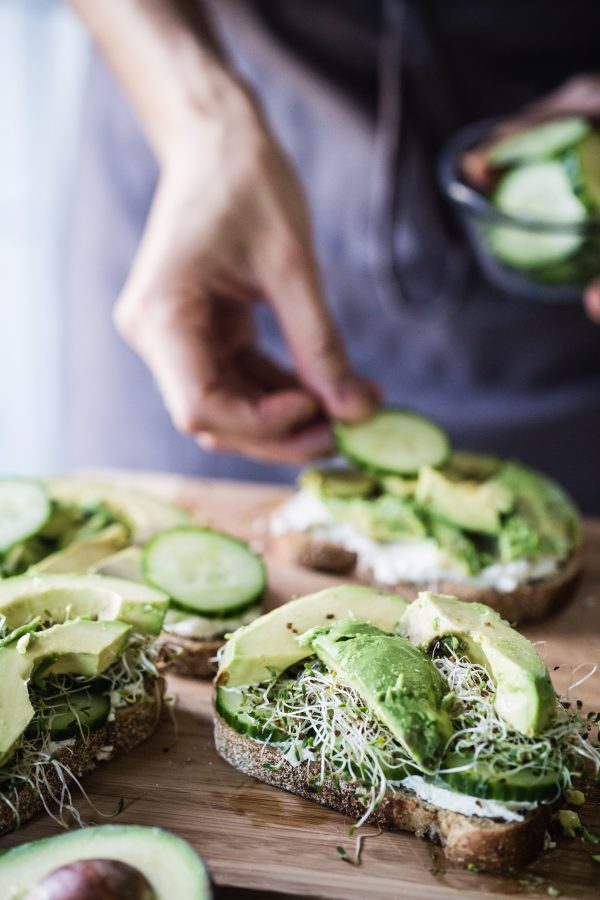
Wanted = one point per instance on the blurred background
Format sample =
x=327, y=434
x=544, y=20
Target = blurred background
x=43, y=52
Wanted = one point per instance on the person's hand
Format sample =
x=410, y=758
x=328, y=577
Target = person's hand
x=579, y=96
x=228, y=226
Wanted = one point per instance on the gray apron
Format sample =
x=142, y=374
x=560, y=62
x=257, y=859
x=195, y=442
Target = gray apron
x=362, y=95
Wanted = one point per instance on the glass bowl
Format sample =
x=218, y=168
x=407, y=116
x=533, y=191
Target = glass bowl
x=578, y=243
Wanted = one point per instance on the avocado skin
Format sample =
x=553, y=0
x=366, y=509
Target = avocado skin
x=171, y=866
x=396, y=680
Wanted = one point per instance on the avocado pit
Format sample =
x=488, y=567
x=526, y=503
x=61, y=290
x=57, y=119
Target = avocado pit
x=93, y=879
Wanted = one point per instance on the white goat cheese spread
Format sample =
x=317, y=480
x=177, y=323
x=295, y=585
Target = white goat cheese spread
x=395, y=561
x=464, y=803
x=190, y=625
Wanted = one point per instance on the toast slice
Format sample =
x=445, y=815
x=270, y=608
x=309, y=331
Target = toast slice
x=189, y=657
x=489, y=844
x=528, y=601
x=130, y=726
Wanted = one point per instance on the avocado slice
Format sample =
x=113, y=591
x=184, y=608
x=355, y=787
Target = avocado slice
x=457, y=551
x=384, y=518
x=83, y=553
x=548, y=518
x=525, y=697
x=472, y=505
x=79, y=647
x=169, y=864
x=264, y=648
x=338, y=482
x=55, y=596
x=396, y=680
x=126, y=564
x=144, y=514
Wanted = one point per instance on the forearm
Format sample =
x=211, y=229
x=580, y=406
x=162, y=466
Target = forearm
x=168, y=61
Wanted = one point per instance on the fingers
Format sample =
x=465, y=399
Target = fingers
x=312, y=442
x=293, y=289
x=199, y=382
x=591, y=299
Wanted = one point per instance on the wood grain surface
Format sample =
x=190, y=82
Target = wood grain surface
x=256, y=837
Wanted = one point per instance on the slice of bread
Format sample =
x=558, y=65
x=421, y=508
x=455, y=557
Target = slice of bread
x=189, y=657
x=131, y=725
x=489, y=844
x=528, y=601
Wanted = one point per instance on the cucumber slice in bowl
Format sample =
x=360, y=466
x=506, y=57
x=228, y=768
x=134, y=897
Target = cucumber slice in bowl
x=204, y=571
x=539, y=192
x=25, y=508
x=539, y=142
x=394, y=442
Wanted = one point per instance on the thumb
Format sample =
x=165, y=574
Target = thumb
x=294, y=292
x=591, y=299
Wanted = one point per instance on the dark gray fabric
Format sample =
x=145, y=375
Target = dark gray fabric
x=363, y=124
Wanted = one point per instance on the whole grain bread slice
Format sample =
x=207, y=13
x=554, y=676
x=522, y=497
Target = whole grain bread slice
x=528, y=601
x=131, y=725
x=189, y=657
x=489, y=844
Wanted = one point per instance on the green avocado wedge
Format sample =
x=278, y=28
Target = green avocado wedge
x=168, y=863
x=79, y=647
x=396, y=680
x=144, y=514
x=525, y=697
x=266, y=647
x=58, y=597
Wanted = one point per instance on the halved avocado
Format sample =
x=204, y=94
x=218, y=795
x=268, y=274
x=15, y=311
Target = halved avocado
x=168, y=863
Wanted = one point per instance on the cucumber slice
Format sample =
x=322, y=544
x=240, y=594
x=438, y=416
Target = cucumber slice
x=484, y=782
x=233, y=707
x=588, y=154
x=25, y=508
x=83, y=711
x=542, y=192
x=539, y=142
x=394, y=442
x=204, y=571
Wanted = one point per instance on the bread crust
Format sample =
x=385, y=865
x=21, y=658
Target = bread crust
x=189, y=657
x=529, y=601
x=131, y=725
x=467, y=840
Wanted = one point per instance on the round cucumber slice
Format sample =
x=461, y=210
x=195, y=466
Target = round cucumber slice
x=394, y=442
x=83, y=711
x=542, y=192
x=539, y=142
x=231, y=706
x=204, y=571
x=484, y=782
x=25, y=508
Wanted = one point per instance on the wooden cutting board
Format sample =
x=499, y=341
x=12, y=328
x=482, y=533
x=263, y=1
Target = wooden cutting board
x=256, y=837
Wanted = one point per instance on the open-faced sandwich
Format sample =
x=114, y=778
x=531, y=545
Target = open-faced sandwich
x=70, y=525
x=78, y=684
x=435, y=717
x=405, y=513
x=109, y=862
